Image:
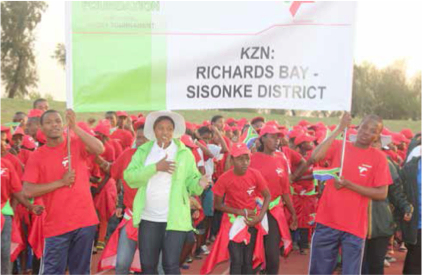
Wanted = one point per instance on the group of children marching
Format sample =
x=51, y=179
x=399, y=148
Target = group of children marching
x=263, y=201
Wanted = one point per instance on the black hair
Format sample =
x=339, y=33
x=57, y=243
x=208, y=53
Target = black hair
x=33, y=120
x=163, y=118
x=38, y=101
x=141, y=127
x=204, y=130
x=216, y=118
x=375, y=118
x=111, y=112
x=20, y=113
x=256, y=120
x=46, y=113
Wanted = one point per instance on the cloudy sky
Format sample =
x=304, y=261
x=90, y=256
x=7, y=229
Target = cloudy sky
x=386, y=31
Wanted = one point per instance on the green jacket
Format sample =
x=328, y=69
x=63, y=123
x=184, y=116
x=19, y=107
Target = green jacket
x=185, y=181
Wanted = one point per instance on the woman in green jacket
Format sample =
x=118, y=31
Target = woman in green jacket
x=165, y=173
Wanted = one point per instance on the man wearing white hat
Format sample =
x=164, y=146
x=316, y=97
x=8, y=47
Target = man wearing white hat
x=165, y=173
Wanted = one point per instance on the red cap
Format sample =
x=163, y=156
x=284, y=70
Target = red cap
x=332, y=127
x=238, y=149
x=84, y=126
x=206, y=123
x=133, y=118
x=258, y=118
x=320, y=135
x=241, y=122
x=398, y=138
x=5, y=129
x=304, y=138
x=8, y=134
x=140, y=122
x=35, y=113
x=304, y=123
x=19, y=131
x=140, y=115
x=227, y=128
x=41, y=137
x=270, y=129
x=187, y=140
x=189, y=126
x=230, y=121
x=28, y=142
x=103, y=127
x=407, y=133
x=121, y=113
x=295, y=133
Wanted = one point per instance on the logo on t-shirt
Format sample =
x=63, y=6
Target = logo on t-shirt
x=65, y=162
x=363, y=169
x=3, y=170
x=251, y=190
x=279, y=171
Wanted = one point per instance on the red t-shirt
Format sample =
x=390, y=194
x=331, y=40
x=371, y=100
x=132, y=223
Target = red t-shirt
x=240, y=190
x=109, y=152
x=10, y=182
x=116, y=171
x=294, y=158
x=24, y=155
x=117, y=147
x=67, y=208
x=15, y=162
x=274, y=169
x=124, y=136
x=344, y=209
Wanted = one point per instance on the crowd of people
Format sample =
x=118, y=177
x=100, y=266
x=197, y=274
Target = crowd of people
x=154, y=193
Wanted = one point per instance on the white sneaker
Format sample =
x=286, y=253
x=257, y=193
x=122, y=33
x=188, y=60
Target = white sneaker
x=205, y=250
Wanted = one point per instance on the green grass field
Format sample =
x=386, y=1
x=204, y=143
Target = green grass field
x=10, y=106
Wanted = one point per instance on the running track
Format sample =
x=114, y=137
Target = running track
x=296, y=264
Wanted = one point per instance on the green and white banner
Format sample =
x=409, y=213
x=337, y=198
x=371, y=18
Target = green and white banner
x=204, y=55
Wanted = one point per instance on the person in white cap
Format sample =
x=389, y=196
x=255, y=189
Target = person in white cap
x=165, y=173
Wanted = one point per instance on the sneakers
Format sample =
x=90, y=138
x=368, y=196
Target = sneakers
x=386, y=263
x=303, y=252
x=185, y=266
x=189, y=259
x=205, y=250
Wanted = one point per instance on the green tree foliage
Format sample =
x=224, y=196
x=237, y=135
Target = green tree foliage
x=60, y=54
x=18, y=21
x=386, y=92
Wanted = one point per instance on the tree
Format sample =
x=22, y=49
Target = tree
x=60, y=54
x=18, y=21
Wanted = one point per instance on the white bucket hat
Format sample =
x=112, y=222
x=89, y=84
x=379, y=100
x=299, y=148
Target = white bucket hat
x=153, y=116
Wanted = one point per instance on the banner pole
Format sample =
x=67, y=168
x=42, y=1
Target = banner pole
x=343, y=151
x=68, y=68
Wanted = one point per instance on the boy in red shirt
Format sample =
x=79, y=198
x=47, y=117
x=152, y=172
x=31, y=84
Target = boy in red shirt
x=241, y=187
x=342, y=212
x=70, y=222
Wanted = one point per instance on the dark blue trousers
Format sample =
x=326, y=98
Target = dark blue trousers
x=325, y=246
x=72, y=250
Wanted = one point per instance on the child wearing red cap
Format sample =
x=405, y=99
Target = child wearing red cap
x=274, y=167
x=304, y=193
x=241, y=234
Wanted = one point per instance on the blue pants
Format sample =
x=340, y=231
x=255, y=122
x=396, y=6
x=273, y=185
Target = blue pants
x=325, y=248
x=6, y=240
x=125, y=253
x=72, y=250
x=154, y=239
